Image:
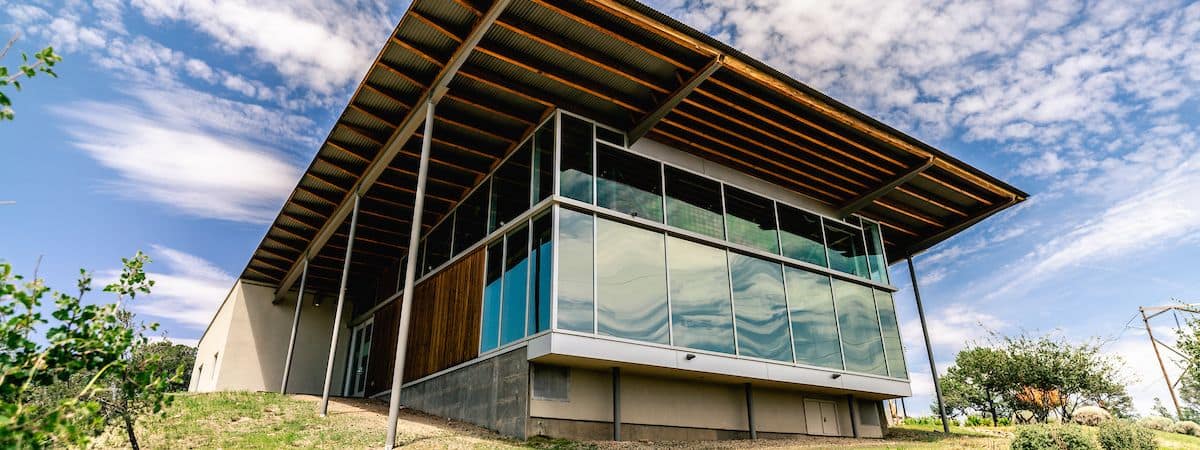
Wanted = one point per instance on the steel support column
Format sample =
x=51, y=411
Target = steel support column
x=937, y=384
x=750, y=412
x=287, y=363
x=616, y=406
x=337, y=314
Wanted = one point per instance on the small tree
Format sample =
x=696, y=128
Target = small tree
x=977, y=382
x=43, y=62
x=1051, y=375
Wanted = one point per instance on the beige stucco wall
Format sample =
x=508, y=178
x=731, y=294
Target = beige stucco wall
x=244, y=347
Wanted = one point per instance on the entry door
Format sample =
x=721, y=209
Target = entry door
x=360, y=353
x=821, y=417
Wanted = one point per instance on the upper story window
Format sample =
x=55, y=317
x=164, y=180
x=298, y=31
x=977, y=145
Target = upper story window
x=628, y=183
x=846, y=248
x=575, y=159
x=694, y=203
x=751, y=220
x=510, y=189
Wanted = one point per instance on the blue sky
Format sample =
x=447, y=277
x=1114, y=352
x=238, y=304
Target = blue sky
x=179, y=126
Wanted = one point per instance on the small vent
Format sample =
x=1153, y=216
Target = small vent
x=551, y=383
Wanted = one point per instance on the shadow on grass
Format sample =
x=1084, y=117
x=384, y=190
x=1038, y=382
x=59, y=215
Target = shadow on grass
x=919, y=435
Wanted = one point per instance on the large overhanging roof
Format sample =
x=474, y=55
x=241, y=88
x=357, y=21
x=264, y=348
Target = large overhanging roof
x=618, y=62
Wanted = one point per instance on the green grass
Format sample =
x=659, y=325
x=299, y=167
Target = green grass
x=1176, y=440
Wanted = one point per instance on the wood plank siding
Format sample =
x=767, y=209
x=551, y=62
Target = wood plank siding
x=445, y=325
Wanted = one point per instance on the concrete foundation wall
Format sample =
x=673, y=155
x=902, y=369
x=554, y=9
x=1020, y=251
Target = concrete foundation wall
x=492, y=393
x=244, y=348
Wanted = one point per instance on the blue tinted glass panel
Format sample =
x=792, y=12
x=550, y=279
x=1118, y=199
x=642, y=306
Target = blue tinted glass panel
x=694, y=203
x=859, y=323
x=516, y=279
x=751, y=220
x=891, y=334
x=875, y=258
x=575, y=306
x=628, y=183
x=800, y=233
x=489, y=333
x=541, y=259
x=631, y=278
x=701, y=316
x=846, y=252
x=575, y=162
x=760, y=308
x=814, y=323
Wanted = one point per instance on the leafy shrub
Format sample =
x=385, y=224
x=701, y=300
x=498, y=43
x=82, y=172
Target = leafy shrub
x=1090, y=416
x=977, y=421
x=1159, y=423
x=1052, y=437
x=1186, y=427
x=1003, y=421
x=927, y=420
x=1122, y=435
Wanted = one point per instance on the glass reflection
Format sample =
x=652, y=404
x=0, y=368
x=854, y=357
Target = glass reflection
x=878, y=263
x=859, y=323
x=631, y=296
x=628, y=183
x=814, y=324
x=543, y=162
x=575, y=307
x=489, y=333
x=516, y=273
x=437, y=249
x=800, y=234
x=760, y=308
x=701, y=317
x=510, y=188
x=575, y=162
x=751, y=220
x=470, y=219
x=891, y=334
x=540, y=261
x=846, y=251
x=694, y=203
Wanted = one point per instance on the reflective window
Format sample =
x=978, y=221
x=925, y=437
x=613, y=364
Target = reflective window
x=694, y=203
x=628, y=183
x=759, y=308
x=800, y=234
x=751, y=220
x=575, y=307
x=701, y=317
x=575, y=162
x=631, y=297
x=859, y=324
x=437, y=251
x=470, y=219
x=891, y=334
x=543, y=161
x=814, y=324
x=610, y=136
x=489, y=333
x=516, y=278
x=540, y=261
x=846, y=251
x=878, y=264
x=510, y=189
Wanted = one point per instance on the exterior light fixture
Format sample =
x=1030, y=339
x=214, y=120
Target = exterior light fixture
x=689, y=357
x=835, y=376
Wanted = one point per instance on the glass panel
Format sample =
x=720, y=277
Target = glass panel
x=510, y=188
x=751, y=220
x=628, y=183
x=543, y=161
x=846, y=251
x=760, y=309
x=575, y=307
x=860, y=327
x=540, y=261
x=875, y=259
x=800, y=233
x=489, y=331
x=891, y=334
x=610, y=136
x=421, y=267
x=470, y=219
x=516, y=278
x=437, y=251
x=632, y=282
x=701, y=317
x=575, y=162
x=814, y=323
x=694, y=203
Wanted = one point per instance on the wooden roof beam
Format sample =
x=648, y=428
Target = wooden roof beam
x=924, y=244
x=866, y=199
x=649, y=120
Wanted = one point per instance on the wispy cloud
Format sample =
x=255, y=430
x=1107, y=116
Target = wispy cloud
x=187, y=288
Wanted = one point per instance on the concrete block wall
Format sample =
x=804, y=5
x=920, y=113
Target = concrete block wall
x=492, y=393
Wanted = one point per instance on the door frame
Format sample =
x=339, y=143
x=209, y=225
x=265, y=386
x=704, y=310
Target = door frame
x=818, y=403
x=351, y=358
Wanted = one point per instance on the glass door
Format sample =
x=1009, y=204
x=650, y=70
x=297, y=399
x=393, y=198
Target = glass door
x=360, y=353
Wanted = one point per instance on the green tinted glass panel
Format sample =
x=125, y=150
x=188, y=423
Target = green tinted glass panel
x=631, y=277
x=516, y=272
x=814, y=323
x=800, y=234
x=575, y=162
x=751, y=220
x=694, y=203
x=891, y=334
x=859, y=324
x=760, y=309
x=875, y=258
x=489, y=333
x=846, y=252
x=628, y=183
x=701, y=317
x=541, y=259
x=575, y=306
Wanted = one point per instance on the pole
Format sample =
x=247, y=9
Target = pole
x=937, y=385
x=1167, y=378
x=287, y=363
x=337, y=315
x=750, y=412
x=616, y=388
x=410, y=273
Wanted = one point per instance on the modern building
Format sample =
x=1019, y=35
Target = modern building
x=627, y=229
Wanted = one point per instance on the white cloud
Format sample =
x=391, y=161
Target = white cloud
x=187, y=289
x=951, y=328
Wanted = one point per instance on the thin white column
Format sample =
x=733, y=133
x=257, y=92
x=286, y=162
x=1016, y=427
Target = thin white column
x=410, y=272
x=337, y=315
x=287, y=363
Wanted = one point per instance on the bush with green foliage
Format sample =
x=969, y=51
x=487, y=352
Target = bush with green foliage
x=925, y=420
x=1157, y=423
x=1052, y=437
x=1090, y=416
x=1125, y=435
x=1186, y=427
